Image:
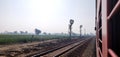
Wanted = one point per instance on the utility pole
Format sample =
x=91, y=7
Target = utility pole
x=70, y=27
x=80, y=30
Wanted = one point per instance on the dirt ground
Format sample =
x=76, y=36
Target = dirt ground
x=12, y=50
x=26, y=49
x=90, y=50
x=17, y=46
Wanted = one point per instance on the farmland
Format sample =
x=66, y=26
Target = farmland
x=13, y=39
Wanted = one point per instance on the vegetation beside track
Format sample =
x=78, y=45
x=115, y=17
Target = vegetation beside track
x=12, y=39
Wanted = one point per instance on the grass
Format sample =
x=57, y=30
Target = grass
x=12, y=39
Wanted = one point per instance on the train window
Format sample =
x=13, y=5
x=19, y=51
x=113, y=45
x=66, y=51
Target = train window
x=100, y=45
x=100, y=19
x=100, y=34
x=111, y=4
x=114, y=29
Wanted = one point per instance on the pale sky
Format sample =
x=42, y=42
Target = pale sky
x=47, y=15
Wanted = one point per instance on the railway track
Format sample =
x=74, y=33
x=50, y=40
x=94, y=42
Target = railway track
x=60, y=51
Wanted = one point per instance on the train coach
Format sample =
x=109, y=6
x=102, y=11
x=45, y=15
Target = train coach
x=107, y=26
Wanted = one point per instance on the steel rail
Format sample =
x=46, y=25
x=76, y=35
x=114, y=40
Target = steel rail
x=52, y=50
x=46, y=52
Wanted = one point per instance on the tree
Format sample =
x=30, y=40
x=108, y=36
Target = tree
x=26, y=32
x=15, y=32
x=81, y=30
x=44, y=33
x=37, y=31
x=21, y=32
x=70, y=26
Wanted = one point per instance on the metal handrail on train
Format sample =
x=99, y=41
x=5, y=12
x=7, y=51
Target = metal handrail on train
x=115, y=9
x=112, y=53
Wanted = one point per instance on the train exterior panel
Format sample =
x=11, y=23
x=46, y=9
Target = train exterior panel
x=107, y=25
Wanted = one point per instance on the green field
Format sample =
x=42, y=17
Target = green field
x=12, y=39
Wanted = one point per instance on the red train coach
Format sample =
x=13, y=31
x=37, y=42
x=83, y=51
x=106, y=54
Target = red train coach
x=107, y=28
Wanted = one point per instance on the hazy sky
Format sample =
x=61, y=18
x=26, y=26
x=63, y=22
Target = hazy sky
x=47, y=15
